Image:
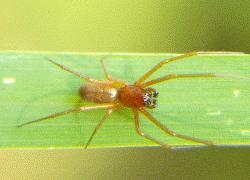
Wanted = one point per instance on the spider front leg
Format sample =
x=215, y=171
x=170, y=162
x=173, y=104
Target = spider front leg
x=178, y=76
x=172, y=133
x=143, y=134
x=181, y=57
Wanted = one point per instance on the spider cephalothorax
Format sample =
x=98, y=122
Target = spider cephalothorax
x=150, y=98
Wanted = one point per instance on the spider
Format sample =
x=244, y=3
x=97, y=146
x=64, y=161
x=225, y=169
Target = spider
x=112, y=94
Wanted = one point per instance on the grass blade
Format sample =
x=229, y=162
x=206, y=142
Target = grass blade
x=211, y=109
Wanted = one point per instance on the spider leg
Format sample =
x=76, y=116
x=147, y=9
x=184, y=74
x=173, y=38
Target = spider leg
x=181, y=57
x=143, y=134
x=107, y=75
x=82, y=108
x=172, y=133
x=73, y=72
x=115, y=82
x=177, y=76
x=98, y=126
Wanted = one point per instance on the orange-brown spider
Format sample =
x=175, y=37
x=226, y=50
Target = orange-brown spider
x=111, y=94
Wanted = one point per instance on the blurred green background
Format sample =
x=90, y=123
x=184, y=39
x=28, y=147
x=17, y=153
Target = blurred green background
x=125, y=26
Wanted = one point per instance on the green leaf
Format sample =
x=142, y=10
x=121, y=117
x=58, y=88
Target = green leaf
x=215, y=109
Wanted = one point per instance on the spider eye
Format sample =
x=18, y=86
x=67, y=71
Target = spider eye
x=149, y=102
x=155, y=94
x=152, y=104
x=146, y=97
x=152, y=92
x=150, y=98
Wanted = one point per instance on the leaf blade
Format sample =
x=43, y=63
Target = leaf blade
x=212, y=109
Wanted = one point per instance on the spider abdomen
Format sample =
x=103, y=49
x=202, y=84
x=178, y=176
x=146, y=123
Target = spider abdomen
x=98, y=92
